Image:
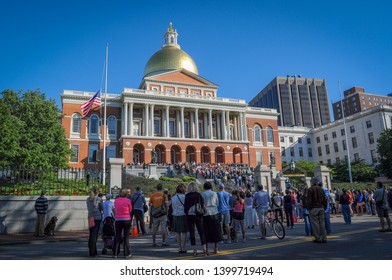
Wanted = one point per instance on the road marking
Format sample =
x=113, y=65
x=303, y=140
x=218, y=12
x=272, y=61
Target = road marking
x=272, y=245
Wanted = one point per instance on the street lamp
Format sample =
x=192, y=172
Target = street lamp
x=292, y=165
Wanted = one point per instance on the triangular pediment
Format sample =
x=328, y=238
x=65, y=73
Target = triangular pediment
x=182, y=77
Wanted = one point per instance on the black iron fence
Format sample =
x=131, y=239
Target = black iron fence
x=56, y=181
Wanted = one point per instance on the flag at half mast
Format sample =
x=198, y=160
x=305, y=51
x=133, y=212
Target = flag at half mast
x=86, y=106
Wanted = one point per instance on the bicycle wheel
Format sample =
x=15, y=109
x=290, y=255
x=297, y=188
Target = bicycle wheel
x=278, y=229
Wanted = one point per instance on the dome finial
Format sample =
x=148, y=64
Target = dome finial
x=170, y=29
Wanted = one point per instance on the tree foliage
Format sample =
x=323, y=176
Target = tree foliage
x=31, y=133
x=384, y=150
x=361, y=172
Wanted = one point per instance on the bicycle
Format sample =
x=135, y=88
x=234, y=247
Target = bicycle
x=275, y=225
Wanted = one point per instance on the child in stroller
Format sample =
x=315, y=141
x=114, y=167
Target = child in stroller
x=108, y=234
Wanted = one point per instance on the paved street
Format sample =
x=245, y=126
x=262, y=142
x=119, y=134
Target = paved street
x=359, y=241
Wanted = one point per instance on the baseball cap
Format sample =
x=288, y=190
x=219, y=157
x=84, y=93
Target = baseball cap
x=221, y=185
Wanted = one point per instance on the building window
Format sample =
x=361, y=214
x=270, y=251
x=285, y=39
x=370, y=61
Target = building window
x=352, y=129
x=92, y=153
x=93, y=124
x=172, y=128
x=342, y=132
x=281, y=139
x=356, y=157
x=371, y=138
x=368, y=124
x=327, y=151
x=344, y=145
x=318, y=139
x=283, y=151
x=157, y=127
x=373, y=155
x=329, y=162
x=325, y=137
x=186, y=129
x=337, y=160
x=259, y=158
x=320, y=153
x=270, y=135
x=76, y=122
x=308, y=141
x=310, y=152
x=299, y=140
x=291, y=139
x=355, y=144
x=300, y=151
x=111, y=151
x=335, y=147
x=112, y=125
x=292, y=153
x=201, y=129
x=257, y=134
x=74, y=153
x=333, y=134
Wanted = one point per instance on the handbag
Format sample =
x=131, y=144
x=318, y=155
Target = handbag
x=199, y=210
x=159, y=211
x=91, y=222
x=145, y=208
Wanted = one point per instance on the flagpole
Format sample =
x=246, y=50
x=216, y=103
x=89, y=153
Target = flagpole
x=104, y=122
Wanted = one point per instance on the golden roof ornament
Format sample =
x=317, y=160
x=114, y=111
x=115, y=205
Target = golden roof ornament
x=170, y=29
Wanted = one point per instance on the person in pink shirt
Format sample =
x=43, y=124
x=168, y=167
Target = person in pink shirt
x=123, y=207
x=238, y=216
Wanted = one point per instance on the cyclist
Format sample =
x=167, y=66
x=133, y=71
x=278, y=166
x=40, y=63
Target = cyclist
x=262, y=202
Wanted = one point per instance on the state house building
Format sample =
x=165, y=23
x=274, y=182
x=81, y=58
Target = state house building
x=174, y=112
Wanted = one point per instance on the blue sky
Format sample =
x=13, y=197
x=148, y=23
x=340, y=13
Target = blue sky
x=239, y=45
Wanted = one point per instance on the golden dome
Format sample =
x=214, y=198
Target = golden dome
x=170, y=57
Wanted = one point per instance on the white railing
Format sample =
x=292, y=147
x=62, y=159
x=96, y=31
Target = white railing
x=182, y=95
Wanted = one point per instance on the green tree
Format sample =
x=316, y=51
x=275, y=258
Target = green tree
x=360, y=171
x=384, y=150
x=31, y=133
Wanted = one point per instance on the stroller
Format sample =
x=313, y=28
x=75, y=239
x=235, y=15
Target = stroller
x=108, y=234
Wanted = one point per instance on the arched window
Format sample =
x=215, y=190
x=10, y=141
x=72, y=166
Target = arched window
x=93, y=124
x=112, y=121
x=257, y=133
x=270, y=135
x=76, y=122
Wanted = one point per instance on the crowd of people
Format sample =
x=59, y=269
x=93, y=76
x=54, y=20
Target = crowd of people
x=225, y=215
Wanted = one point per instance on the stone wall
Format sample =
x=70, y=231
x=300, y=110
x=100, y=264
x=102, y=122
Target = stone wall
x=17, y=213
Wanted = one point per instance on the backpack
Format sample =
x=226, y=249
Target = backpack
x=389, y=197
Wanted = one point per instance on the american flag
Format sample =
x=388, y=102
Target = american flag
x=86, y=106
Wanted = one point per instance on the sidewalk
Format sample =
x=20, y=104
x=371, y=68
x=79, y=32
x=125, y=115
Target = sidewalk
x=18, y=238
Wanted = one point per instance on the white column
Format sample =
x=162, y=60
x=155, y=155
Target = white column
x=223, y=126
x=205, y=126
x=125, y=119
x=192, y=125
x=145, y=122
x=218, y=127
x=245, y=128
x=182, y=123
x=122, y=119
x=178, y=121
x=236, y=127
x=152, y=120
x=228, y=125
x=241, y=127
x=210, y=122
x=167, y=121
x=131, y=119
x=197, y=122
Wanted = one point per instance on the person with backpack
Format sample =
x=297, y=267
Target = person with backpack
x=288, y=209
x=277, y=206
x=138, y=202
x=381, y=198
